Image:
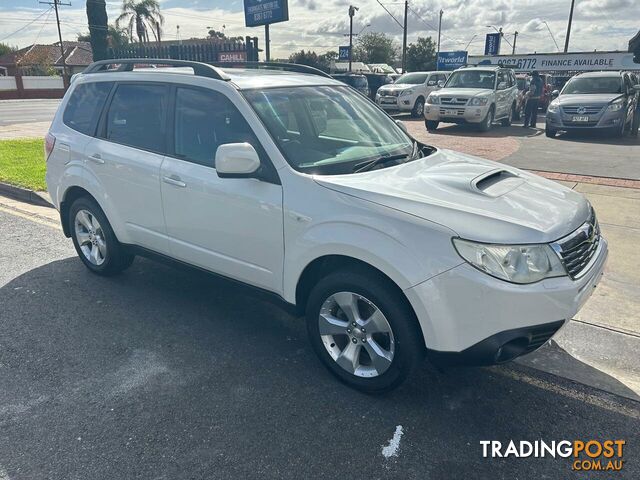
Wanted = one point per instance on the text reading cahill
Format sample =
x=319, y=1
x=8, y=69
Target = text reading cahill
x=587, y=455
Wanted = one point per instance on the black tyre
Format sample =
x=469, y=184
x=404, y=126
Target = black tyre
x=418, y=108
x=487, y=122
x=506, y=122
x=363, y=330
x=431, y=125
x=550, y=132
x=94, y=240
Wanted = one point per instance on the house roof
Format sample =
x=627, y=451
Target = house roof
x=76, y=53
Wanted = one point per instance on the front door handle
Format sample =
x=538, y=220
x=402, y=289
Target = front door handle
x=174, y=180
x=97, y=158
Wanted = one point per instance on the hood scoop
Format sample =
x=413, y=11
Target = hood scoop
x=496, y=182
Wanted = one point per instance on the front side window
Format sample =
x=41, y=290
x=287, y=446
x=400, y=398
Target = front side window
x=204, y=120
x=138, y=116
x=472, y=79
x=85, y=105
x=579, y=85
x=338, y=128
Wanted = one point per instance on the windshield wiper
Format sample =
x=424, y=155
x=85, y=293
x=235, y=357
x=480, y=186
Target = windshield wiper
x=364, y=166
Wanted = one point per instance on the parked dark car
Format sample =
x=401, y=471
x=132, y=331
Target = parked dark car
x=357, y=81
x=376, y=80
x=594, y=100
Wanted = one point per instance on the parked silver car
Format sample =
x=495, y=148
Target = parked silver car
x=594, y=100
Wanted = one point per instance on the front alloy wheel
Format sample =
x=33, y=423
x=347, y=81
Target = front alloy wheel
x=356, y=334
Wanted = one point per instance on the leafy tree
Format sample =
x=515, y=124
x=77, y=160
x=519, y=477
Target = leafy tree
x=421, y=56
x=5, y=48
x=375, y=47
x=222, y=36
x=116, y=37
x=144, y=16
x=97, y=18
x=312, y=59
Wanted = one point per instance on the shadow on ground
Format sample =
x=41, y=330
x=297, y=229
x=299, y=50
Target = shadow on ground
x=166, y=373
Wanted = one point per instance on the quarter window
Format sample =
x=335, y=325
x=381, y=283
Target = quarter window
x=137, y=116
x=205, y=120
x=85, y=105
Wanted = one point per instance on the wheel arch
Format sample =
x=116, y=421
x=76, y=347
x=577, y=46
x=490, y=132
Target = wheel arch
x=71, y=195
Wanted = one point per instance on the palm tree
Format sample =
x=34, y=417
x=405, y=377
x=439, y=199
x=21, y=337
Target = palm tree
x=144, y=15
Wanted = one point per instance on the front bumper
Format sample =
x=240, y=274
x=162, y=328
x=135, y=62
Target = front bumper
x=560, y=120
x=396, y=104
x=468, y=316
x=455, y=114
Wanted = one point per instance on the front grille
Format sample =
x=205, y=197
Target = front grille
x=455, y=101
x=582, y=110
x=540, y=336
x=577, y=249
x=390, y=93
x=590, y=123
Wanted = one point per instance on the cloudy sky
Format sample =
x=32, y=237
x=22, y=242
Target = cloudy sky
x=320, y=24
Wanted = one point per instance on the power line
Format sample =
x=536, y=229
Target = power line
x=22, y=28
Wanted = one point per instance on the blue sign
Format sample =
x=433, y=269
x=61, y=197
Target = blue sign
x=263, y=12
x=492, y=44
x=343, y=53
x=452, y=60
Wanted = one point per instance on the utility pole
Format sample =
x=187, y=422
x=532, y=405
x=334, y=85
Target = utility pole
x=404, y=37
x=515, y=39
x=566, y=40
x=55, y=4
x=267, y=50
x=439, y=29
x=352, y=12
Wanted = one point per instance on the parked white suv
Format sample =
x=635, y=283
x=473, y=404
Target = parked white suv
x=477, y=95
x=299, y=186
x=409, y=92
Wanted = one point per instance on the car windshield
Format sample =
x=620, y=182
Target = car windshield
x=413, y=78
x=472, y=79
x=593, y=85
x=328, y=130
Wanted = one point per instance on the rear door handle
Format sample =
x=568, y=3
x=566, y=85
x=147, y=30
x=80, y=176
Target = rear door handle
x=174, y=180
x=97, y=158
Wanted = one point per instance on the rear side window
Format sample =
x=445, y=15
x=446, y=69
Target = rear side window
x=138, y=116
x=85, y=105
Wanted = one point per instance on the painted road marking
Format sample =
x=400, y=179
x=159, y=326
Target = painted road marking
x=30, y=216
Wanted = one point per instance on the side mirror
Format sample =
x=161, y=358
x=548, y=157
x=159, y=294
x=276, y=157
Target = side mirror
x=502, y=86
x=441, y=83
x=236, y=160
x=555, y=94
x=401, y=124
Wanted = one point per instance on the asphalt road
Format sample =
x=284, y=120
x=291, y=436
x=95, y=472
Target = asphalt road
x=162, y=373
x=27, y=111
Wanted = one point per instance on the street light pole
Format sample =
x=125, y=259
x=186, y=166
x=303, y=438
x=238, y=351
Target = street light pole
x=352, y=12
x=439, y=30
x=566, y=41
x=404, y=37
x=515, y=39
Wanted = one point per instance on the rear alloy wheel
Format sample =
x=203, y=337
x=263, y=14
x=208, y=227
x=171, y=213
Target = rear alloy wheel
x=418, y=108
x=363, y=330
x=431, y=125
x=94, y=240
x=487, y=123
x=506, y=122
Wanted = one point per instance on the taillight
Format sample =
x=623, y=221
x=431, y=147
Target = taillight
x=49, y=143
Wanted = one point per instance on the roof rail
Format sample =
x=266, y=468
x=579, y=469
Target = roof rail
x=126, y=65
x=290, y=67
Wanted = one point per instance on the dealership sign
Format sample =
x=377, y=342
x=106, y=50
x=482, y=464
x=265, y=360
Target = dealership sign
x=264, y=12
x=343, y=53
x=451, y=60
x=492, y=44
x=561, y=61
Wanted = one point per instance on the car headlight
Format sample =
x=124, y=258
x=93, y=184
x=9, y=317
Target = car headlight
x=433, y=99
x=478, y=101
x=615, y=106
x=553, y=107
x=513, y=263
x=406, y=92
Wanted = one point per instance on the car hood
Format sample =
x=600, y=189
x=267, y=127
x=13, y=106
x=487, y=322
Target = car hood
x=463, y=92
x=590, y=99
x=400, y=86
x=478, y=199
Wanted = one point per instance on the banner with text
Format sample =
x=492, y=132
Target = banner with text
x=561, y=61
x=263, y=12
x=452, y=60
x=492, y=44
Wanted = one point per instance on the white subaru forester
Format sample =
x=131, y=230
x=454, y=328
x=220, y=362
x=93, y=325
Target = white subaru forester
x=299, y=186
